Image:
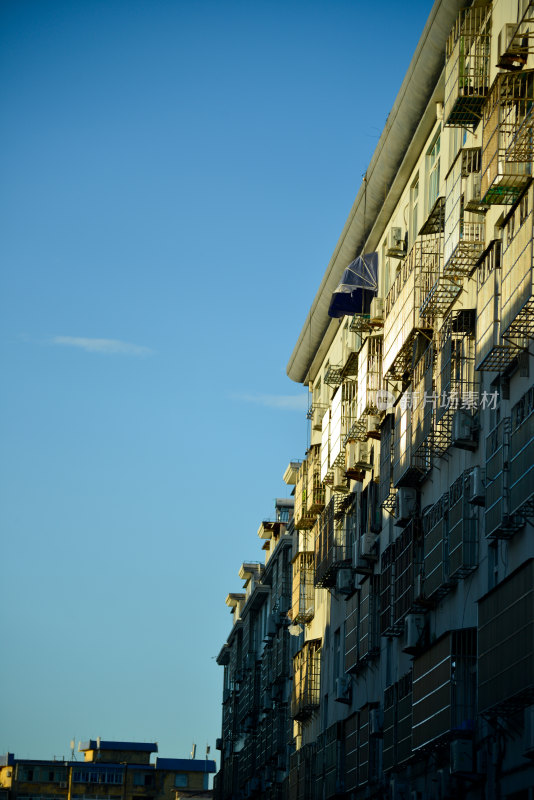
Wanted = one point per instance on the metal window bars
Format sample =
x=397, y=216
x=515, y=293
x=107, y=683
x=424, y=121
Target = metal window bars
x=522, y=456
x=505, y=170
x=455, y=373
x=402, y=323
x=306, y=680
x=303, y=599
x=467, y=67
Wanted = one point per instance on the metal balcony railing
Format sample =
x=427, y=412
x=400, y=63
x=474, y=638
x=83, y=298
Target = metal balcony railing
x=505, y=172
x=467, y=67
x=306, y=680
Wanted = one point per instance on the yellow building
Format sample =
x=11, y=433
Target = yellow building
x=110, y=771
x=413, y=554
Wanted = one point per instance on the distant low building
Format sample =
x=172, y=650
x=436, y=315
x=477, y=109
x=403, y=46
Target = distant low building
x=110, y=771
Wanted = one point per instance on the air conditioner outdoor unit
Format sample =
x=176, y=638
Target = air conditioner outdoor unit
x=373, y=427
x=367, y=545
x=376, y=313
x=413, y=628
x=396, y=245
x=461, y=756
x=376, y=722
x=477, y=494
x=405, y=505
x=343, y=687
x=345, y=582
x=358, y=454
x=339, y=483
x=360, y=564
x=463, y=430
x=473, y=187
x=511, y=52
x=317, y=419
x=218, y=744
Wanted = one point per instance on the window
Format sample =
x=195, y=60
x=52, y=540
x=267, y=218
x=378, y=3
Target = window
x=180, y=780
x=414, y=211
x=433, y=173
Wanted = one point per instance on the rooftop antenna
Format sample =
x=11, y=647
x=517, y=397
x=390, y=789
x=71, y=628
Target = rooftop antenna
x=194, y=751
x=207, y=751
x=72, y=749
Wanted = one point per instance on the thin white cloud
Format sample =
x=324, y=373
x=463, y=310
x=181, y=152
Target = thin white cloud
x=109, y=347
x=285, y=402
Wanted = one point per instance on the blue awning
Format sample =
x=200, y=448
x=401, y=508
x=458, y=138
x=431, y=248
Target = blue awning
x=359, y=284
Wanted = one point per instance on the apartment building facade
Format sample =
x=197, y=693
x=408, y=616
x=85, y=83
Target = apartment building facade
x=413, y=545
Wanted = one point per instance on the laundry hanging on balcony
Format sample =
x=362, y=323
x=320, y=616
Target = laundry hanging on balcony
x=359, y=284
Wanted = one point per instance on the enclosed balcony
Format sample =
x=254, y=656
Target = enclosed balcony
x=463, y=528
x=369, y=375
x=362, y=634
x=306, y=680
x=492, y=353
x=397, y=742
x=522, y=457
x=387, y=593
x=303, y=598
x=467, y=67
x=402, y=324
x=455, y=373
x=331, y=550
x=436, y=551
x=315, y=492
x=500, y=523
x=444, y=690
x=302, y=518
x=414, y=416
x=509, y=106
x=506, y=644
x=518, y=273
x=386, y=491
x=408, y=572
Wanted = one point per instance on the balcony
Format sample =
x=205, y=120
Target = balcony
x=302, y=519
x=369, y=379
x=500, y=523
x=386, y=492
x=492, y=353
x=331, y=551
x=507, y=115
x=444, y=690
x=467, y=67
x=408, y=567
x=306, y=680
x=506, y=644
x=414, y=416
x=436, y=552
x=522, y=457
x=315, y=493
x=455, y=373
x=515, y=42
x=518, y=273
x=387, y=593
x=402, y=324
x=362, y=634
x=463, y=529
x=303, y=599
x=397, y=742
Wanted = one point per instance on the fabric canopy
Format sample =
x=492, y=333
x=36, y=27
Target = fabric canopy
x=359, y=284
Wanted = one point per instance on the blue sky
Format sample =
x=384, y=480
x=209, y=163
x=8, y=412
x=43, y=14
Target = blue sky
x=174, y=178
